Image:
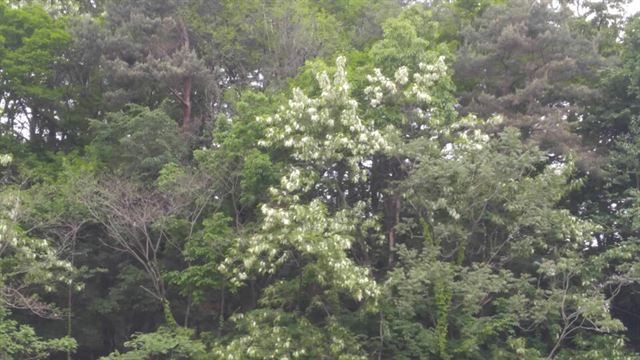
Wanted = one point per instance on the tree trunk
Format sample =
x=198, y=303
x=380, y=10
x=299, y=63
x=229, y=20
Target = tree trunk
x=186, y=82
x=186, y=104
x=395, y=208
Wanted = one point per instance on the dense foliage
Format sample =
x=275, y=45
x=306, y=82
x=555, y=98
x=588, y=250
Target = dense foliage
x=315, y=179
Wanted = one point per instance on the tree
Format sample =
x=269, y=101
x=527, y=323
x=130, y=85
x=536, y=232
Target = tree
x=26, y=264
x=522, y=60
x=262, y=42
x=165, y=343
x=32, y=86
x=498, y=259
x=137, y=142
x=201, y=180
x=19, y=341
x=150, y=57
x=445, y=158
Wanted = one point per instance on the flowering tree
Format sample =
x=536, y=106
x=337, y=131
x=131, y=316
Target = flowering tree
x=26, y=264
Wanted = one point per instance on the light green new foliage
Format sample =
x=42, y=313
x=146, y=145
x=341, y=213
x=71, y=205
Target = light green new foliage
x=166, y=343
x=19, y=341
x=32, y=54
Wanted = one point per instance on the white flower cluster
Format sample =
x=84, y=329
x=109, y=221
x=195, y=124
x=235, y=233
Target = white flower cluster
x=268, y=335
x=325, y=130
x=380, y=83
x=5, y=159
x=424, y=80
x=297, y=179
x=306, y=230
x=402, y=75
x=36, y=259
x=320, y=132
x=419, y=91
x=248, y=346
x=311, y=230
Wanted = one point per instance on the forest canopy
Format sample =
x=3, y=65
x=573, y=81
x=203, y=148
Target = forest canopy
x=319, y=179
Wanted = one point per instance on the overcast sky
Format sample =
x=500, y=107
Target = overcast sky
x=633, y=7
